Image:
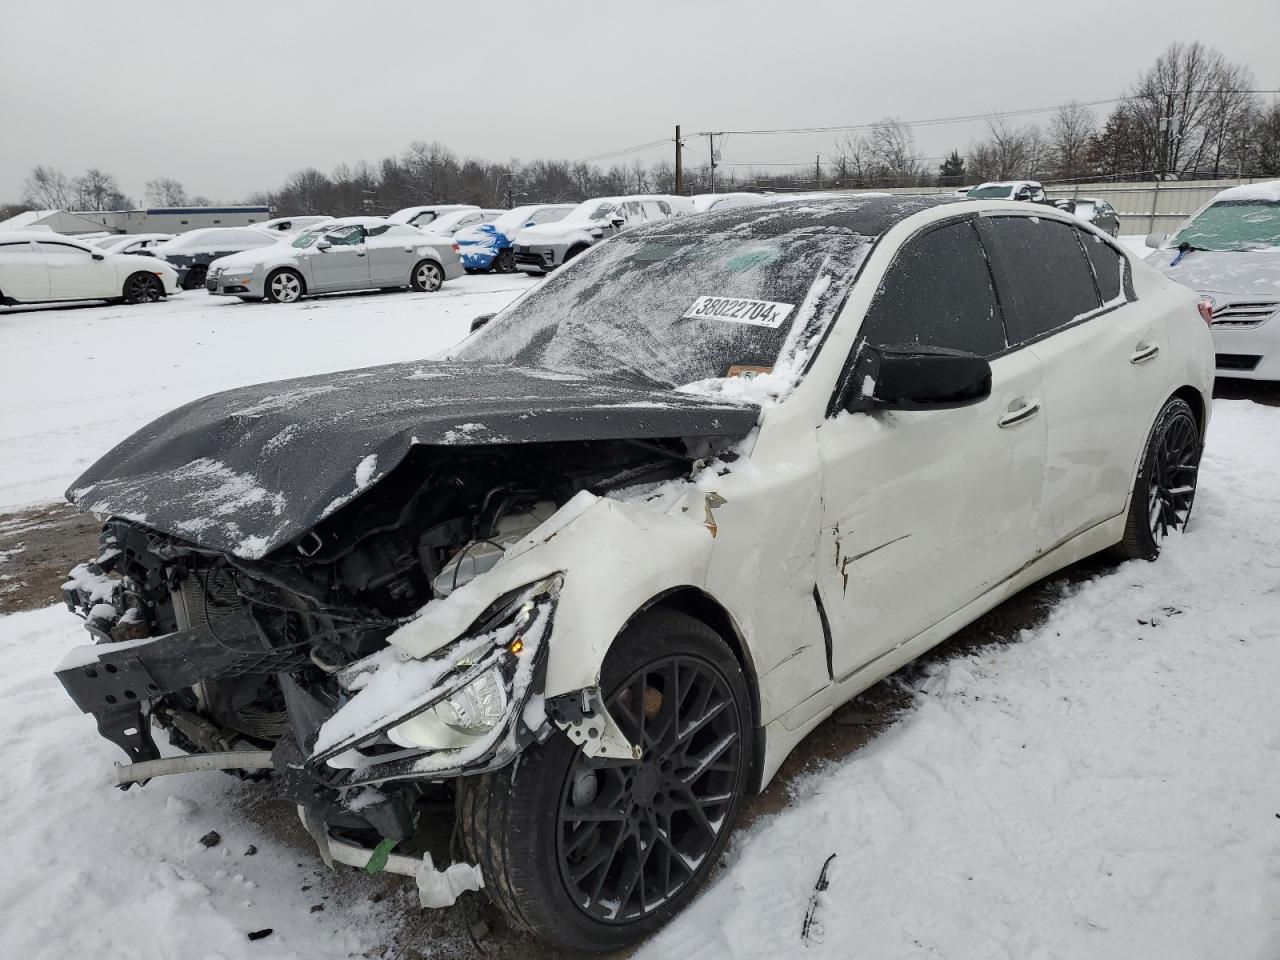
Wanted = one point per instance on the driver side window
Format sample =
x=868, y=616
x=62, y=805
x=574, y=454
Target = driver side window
x=938, y=293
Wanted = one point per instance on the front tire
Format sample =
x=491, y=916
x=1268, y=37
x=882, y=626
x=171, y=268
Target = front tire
x=285, y=286
x=142, y=288
x=504, y=262
x=194, y=277
x=1166, y=484
x=594, y=857
x=427, y=277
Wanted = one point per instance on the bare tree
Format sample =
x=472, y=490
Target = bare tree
x=853, y=167
x=47, y=189
x=1183, y=107
x=1007, y=152
x=892, y=148
x=165, y=192
x=96, y=190
x=1070, y=132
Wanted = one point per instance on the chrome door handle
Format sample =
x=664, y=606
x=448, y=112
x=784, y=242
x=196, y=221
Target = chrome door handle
x=1012, y=415
x=1144, y=353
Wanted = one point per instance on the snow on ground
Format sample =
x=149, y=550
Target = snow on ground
x=1109, y=787
x=75, y=381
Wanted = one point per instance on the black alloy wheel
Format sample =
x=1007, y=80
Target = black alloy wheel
x=631, y=836
x=595, y=854
x=504, y=262
x=1165, y=488
x=143, y=288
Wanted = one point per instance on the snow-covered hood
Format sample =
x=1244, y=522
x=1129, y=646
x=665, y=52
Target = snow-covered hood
x=557, y=230
x=249, y=470
x=1249, y=273
x=251, y=258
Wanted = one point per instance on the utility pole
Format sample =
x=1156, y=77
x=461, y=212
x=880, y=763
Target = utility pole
x=679, y=165
x=711, y=141
x=817, y=171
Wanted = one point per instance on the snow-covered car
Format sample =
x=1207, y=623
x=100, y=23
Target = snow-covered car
x=706, y=202
x=422, y=217
x=191, y=253
x=1027, y=190
x=291, y=225
x=39, y=266
x=350, y=253
x=131, y=242
x=1229, y=252
x=1092, y=210
x=488, y=246
x=592, y=577
x=448, y=224
x=545, y=246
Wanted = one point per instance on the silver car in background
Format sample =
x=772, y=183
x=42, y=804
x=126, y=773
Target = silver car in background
x=352, y=253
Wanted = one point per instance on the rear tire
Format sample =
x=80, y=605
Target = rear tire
x=1165, y=487
x=594, y=858
x=427, y=276
x=195, y=276
x=504, y=262
x=284, y=286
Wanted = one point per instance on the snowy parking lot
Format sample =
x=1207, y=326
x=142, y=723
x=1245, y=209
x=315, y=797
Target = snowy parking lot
x=1108, y=785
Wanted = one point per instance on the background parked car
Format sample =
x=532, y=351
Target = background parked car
x=422, y=216
x=1093, y=210
x=488, y=246
x=706, y=202
x=292, y=224
x=142, y=243
x=542, y=248
x=191, y=253
x=39, y=266
x=1229, y=252
x=1028, y=190
x=448, y=224
x=352, y=253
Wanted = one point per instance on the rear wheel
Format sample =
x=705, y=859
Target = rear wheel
x=195, y=276
x=285, y=286
x=594, y=856
x=427, y=277
x=1166, y=484
x=142, y=288
x=504, y=262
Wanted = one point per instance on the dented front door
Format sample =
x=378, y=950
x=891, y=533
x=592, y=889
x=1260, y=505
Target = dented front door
x=923, y=511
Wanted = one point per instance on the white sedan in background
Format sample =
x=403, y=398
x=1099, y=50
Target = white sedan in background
x=351, y=253
x=1228, y=251
x=130, y=242
x=41, y=267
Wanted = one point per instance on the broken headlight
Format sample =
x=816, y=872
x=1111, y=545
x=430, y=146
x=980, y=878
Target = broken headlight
x=474, y=710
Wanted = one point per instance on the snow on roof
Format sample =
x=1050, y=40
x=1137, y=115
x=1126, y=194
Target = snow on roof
x=18, y=221
x=1269, y=190
x=37, y=233
x=408, y=213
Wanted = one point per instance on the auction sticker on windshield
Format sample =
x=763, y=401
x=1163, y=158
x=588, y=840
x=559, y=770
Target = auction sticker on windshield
x=759, y=313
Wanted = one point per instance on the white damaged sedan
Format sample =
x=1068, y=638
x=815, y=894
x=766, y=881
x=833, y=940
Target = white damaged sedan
x=579, y=589
x=350, y=253
x=39, y=266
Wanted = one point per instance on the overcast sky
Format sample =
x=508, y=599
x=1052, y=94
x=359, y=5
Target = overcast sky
x=231, y=97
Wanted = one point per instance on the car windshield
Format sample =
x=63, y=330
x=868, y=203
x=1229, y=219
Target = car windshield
x=674, y=309
x=309, y=237
x=994, y=192
x=1233, y=225
x=591, y=210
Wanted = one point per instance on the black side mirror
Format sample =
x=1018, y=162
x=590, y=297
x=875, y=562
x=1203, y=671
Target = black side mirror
x=617, y=221
x=481, y=320
x=97, y=256
x=912, y=377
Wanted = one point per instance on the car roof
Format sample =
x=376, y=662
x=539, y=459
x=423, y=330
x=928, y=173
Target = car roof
x=48, y=236
x=867, y=216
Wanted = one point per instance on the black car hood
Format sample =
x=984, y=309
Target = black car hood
x=248, y=470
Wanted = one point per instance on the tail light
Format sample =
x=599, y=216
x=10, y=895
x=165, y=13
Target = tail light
x=458, y=249
x=1206, y=311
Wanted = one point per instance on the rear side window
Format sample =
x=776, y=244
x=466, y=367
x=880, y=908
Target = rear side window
x=1108, y=266
x=938, y=293
x=1045, y=281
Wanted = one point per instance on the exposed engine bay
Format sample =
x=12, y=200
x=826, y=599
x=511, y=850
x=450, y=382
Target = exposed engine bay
x=227, y=654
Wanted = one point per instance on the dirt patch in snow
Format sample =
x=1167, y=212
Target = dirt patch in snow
x=37, y=548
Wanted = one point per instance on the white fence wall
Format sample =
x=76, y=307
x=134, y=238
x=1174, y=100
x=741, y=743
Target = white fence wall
x=1157, y=206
